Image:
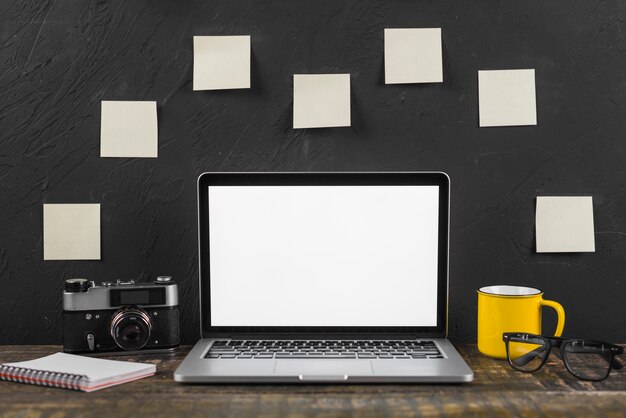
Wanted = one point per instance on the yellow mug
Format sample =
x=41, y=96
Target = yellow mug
x=511, y=309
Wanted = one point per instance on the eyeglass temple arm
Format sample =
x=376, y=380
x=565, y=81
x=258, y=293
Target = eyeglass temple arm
x=528, y=357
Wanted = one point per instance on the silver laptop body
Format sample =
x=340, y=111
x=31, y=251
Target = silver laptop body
x=323, y=278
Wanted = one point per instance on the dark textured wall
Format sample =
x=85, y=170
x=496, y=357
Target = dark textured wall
x=59, y=59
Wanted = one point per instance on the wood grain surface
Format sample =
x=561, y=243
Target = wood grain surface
x=496, y=391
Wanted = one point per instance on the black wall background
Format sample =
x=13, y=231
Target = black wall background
x=59, y=59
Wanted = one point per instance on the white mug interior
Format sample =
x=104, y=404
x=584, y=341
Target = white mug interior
x=506, y=290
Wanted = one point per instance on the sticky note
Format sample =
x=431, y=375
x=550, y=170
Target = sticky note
x=564, y=224
x=129, y=129
x=221, y=62
x=413, y=56
x=321, y=100
x=71, y=231
x=507, y=98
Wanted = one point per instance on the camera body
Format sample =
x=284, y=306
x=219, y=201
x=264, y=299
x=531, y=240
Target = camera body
x=120, y=317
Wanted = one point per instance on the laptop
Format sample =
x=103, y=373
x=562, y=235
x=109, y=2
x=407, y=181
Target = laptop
x=323, y=278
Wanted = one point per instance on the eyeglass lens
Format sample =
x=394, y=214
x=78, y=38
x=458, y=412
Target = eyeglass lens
x=587, y=360
x=527, y=353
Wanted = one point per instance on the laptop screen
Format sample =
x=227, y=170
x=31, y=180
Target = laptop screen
x=328, y=256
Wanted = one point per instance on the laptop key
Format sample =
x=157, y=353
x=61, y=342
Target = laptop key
x=338, y=356
x=304, y=357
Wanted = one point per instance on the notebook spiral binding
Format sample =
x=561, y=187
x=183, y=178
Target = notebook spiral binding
x=41, y=377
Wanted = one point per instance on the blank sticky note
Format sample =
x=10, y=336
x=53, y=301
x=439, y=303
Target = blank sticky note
x=507, y=98
x=129, y=129
x=321, y=100
x=221, y=62
x=564, y=224
x=413, y=56
x=71, y=231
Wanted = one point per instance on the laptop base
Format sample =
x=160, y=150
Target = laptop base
x=196, y=368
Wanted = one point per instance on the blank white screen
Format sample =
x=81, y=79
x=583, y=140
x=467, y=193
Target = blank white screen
x=323, y=255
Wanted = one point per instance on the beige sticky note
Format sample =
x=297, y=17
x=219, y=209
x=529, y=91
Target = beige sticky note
x=129, y=129
x=71, y=231
x=321, y=100
x=507, y=98
x=413, y=56
x=564, y=224
x=221, y=62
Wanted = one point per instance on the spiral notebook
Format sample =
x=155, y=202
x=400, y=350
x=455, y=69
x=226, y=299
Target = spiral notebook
x=70, y=371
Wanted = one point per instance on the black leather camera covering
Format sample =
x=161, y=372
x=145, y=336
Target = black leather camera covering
x=165, y=330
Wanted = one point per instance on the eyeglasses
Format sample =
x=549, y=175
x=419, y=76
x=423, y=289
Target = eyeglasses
x=587, y=360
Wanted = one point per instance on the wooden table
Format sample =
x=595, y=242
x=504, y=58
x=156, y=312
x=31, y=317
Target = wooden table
x=496, y=391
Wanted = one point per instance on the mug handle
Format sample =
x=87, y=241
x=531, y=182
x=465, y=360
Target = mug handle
x=560, y=312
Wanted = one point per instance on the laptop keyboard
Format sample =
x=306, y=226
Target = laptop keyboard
x=316, y=349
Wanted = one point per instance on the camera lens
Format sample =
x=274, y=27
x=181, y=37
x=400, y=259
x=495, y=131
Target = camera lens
x=130, y=329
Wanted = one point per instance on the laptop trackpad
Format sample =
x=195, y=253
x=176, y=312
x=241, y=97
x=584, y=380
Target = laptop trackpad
x=310, y=369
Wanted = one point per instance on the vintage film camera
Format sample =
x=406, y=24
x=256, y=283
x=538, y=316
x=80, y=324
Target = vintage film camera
x=120, y=317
